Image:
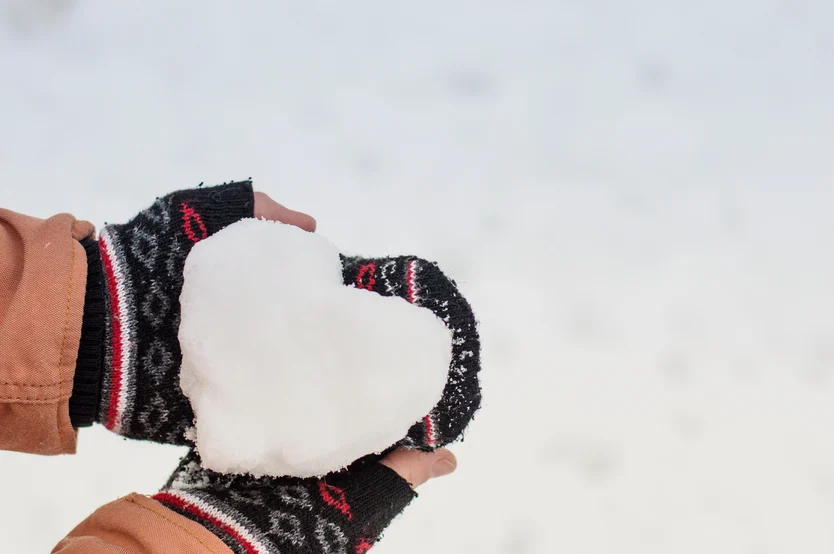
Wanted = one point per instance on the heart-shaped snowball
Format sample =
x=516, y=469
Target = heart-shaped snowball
x=289, y=371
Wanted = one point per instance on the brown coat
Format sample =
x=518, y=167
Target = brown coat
x=43, y=271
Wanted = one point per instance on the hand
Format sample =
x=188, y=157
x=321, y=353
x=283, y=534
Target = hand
x=142, y=264
x=341, y=513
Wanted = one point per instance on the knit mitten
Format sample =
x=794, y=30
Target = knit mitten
x=423, y=284
x=136, y=390
x=343, y=513
x=135, y=279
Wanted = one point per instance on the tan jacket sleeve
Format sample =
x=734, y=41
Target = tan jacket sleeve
x=43, y=272
x=137, y=524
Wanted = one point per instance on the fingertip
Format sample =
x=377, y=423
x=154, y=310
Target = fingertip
x=443, y=467
x=307, y=222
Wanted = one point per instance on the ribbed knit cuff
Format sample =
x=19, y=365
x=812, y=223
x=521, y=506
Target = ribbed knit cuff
x=86, y=386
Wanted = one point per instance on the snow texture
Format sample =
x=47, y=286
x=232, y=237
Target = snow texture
x=289, y=371
x=636, y=196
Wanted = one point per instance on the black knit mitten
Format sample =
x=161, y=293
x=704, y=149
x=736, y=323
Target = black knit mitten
x=423, y=284
x=136, y=388
x=344, y=513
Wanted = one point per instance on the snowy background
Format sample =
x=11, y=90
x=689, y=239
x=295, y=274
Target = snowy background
x=635, y=196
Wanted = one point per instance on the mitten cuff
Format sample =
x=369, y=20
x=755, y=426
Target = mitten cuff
x=86, y=386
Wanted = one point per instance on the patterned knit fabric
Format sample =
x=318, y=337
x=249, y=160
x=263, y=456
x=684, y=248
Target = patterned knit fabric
x=344, y=513
x=143, y=262
x=423, y=284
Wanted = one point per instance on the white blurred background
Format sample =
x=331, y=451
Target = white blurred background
x=635, y=196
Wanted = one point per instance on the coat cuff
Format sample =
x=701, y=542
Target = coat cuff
x=40, y=330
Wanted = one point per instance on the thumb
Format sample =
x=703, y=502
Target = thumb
x=418, y=467
x=267, y=208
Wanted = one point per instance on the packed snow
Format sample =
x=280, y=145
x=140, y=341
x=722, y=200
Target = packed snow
x=635, y=196
x=289, y=371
